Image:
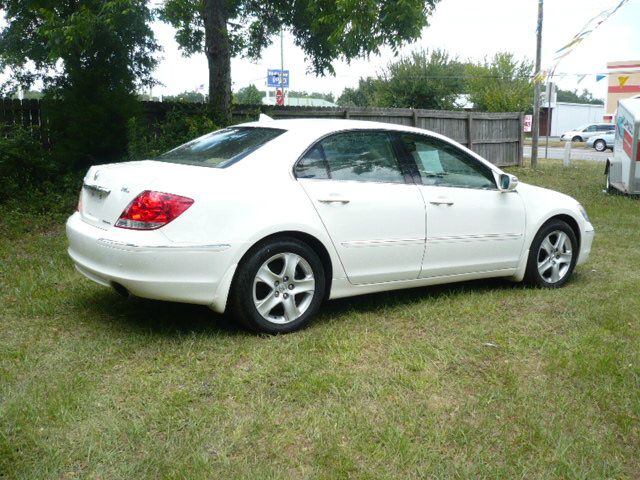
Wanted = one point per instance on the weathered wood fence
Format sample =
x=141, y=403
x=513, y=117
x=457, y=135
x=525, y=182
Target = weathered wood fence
x=498, y=137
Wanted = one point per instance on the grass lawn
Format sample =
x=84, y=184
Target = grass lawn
x=473, y=380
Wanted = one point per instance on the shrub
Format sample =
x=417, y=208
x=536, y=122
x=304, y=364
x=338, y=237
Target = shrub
x=179, y=126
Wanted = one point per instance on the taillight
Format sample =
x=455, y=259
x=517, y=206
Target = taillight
x=151, y=210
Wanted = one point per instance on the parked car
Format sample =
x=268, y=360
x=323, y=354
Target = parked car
x=602, y=141
x=583, y=133
x=269, y=219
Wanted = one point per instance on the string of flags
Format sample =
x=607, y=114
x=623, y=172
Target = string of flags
x=577, y=39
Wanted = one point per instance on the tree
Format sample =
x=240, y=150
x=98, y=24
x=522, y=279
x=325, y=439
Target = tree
x=185, y=97
x=325, y=29
x=501, y=84
x=364, y=95
x=90, y=57
x=423, y=80
x=249, y=96
x=571, y=96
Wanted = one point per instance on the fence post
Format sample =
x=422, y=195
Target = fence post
x=470, y=130
x=415, y=117
x=346, y=113
x=521, y=137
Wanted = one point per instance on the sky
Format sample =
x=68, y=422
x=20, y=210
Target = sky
x=469, y=29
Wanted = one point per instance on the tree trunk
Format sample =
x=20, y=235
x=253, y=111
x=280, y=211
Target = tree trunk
x=219, y=58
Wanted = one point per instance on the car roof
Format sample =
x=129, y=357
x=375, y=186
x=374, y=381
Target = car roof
x=323, y=126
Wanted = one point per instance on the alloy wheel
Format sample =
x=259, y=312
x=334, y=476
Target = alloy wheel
x=283, y=288
x=554, y=256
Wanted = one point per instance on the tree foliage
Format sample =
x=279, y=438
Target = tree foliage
x=501, y=84
x=185, y=97
x=572, y=96
x=90, y=56
x=423, y=80
x=326, y=30
x=249, y=95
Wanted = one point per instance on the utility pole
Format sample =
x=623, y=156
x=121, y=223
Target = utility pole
x=282, y=64
x=535, y=128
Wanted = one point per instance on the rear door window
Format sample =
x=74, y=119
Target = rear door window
x=360, y=155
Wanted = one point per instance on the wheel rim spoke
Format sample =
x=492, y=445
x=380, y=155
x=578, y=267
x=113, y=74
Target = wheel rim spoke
x=547, y=246
x=291, y=311
x=306, y=285
x=291, y=261
x=265, y=275
x=555, y=272
x=565, y=258
x=544, y=265
x=267, y=304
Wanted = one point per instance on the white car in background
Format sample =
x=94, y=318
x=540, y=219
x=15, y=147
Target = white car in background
x=269, y=219
x=583, y=133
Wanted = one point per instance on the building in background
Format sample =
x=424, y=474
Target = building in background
x=557, y=118
x=624, y=82
x=270, y=99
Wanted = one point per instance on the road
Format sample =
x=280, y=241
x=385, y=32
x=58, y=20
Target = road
x=576, y=153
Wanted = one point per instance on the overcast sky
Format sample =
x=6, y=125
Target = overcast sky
x=469, y=29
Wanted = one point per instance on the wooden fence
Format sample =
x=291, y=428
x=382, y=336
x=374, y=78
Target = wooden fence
x=498, y=137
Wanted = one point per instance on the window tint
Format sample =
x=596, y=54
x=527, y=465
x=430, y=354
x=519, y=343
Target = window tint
x=592, y=128
x=363, y=156
x=221, y=148
x=440, y=163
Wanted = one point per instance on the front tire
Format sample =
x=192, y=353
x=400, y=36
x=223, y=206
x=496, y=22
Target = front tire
x=553, y=255
x=600, y=145
x=576, y=139
x=278, y=287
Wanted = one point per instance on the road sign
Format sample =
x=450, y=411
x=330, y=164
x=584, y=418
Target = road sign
x=277, y=78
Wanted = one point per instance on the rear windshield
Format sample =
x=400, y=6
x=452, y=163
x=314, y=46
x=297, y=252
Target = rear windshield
x=221, y=148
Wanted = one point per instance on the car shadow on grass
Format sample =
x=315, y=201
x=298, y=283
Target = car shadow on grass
x=170, y=318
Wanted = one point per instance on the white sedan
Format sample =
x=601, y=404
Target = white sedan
x=268, y=219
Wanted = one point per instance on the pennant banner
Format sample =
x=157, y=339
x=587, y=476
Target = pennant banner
x=600, y=77
x=588, y=28
x=622, y=80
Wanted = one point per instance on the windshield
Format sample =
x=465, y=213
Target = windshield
x=221, y=148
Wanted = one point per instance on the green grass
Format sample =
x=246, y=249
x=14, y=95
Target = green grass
x=475, y=380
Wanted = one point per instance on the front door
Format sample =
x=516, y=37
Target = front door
x=372, y=210
x=472, y=227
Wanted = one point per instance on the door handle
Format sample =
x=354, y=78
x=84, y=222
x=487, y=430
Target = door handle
x=343, y=201
x=441, y=201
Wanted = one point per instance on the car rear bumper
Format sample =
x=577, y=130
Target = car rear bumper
x=149, y=268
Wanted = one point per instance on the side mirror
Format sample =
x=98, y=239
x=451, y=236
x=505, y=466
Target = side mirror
x=508, y=183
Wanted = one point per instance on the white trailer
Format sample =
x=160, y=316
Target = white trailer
x=623, y=170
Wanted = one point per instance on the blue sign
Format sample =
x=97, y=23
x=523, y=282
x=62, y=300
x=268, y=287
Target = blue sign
x=277, y=78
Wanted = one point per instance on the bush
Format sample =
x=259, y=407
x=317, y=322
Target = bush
x=178, y=127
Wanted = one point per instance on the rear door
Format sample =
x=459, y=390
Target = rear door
x=367, y=200
x=472, y=227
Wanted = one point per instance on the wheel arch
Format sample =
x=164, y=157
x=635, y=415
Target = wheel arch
x=569, y=220
x=304, y=237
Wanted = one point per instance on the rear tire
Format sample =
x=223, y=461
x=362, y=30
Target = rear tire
x=553, y=255
x=600, y=145
x=278, y=287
